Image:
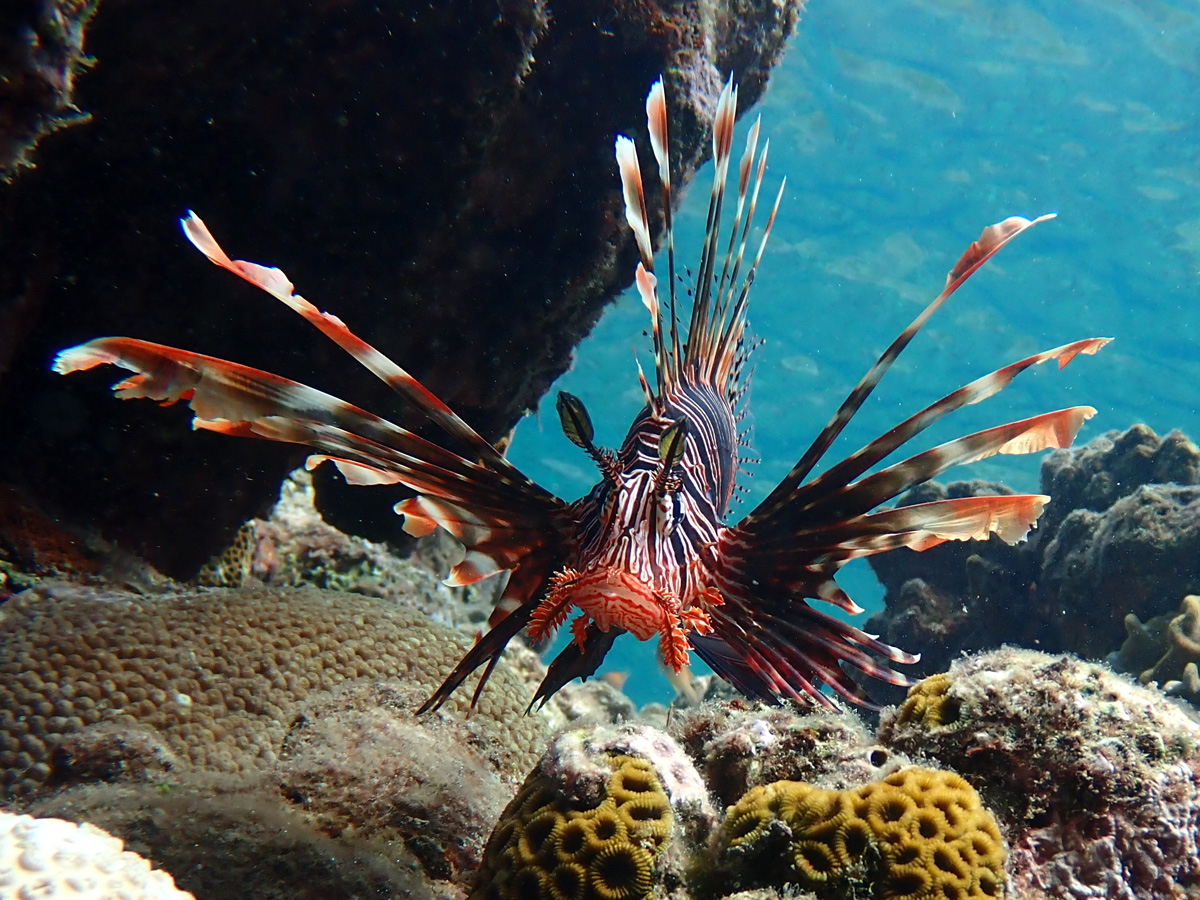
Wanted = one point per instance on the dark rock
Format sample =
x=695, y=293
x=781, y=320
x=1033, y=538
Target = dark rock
x=440, y=177
x=1138, y=555
x=41, y=52
x=1121, y=535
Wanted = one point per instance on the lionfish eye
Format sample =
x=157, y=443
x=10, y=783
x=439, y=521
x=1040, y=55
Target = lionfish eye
x=576, y=423
x=671, y=444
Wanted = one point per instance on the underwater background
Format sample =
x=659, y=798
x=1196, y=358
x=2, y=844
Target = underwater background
x=903, y=129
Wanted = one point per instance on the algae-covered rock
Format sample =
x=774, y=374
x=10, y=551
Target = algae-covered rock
x=1120, y=535
x=1093, y=777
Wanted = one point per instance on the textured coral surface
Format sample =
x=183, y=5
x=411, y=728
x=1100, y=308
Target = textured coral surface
x=93, y=684
x=1093, y=776
x=51, y=858
x=548, y=845
x=918, y=833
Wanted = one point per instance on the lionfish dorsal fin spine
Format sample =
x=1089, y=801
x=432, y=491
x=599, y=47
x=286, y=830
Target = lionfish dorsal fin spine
x=699, y=338
x=647, y=283
x=656, y=123
x=731, y=337
x=729, y=270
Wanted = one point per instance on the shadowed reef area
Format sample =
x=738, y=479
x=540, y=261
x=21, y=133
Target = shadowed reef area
x=439, y=176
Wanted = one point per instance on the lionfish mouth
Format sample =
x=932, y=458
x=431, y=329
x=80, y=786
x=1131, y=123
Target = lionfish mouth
x=612, y=596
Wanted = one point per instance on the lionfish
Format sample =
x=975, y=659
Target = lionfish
x=647, y=551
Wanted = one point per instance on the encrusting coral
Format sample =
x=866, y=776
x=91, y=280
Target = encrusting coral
x=737, y=747
x=1165, y=650
x=94, y=685
x=918, y=834
x=1094, y=777
x=608, y=814
x=547, y=845
x=51, y=858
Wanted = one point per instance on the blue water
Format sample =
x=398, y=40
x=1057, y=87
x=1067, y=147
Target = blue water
x=903, y=129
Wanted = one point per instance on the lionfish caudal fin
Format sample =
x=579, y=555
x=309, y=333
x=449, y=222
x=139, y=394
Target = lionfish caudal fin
x=771, y=644
x=713, y=347
x=505, y=521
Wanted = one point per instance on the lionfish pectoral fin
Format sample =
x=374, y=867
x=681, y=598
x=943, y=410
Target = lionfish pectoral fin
x=992, y=239
x=487, y=649
x=575, y=661
x=415, y=522
x=275, y=283
x=355, y=473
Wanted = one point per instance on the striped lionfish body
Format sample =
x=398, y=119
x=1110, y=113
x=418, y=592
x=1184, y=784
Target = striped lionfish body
x=647, y=551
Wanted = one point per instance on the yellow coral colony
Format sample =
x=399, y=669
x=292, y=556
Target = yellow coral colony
x=918, y=834
x=930, y=703
x=545, y=847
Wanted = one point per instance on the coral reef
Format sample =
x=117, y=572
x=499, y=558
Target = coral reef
x=295, y=547
x=1093, y=777
x=1119, y=536
x=1165, y=650
x=474, y=232
x=607, y=813
x=41, y=52
x=52, y=858
x=99, y=683
x=550, y=845
x=918, y=833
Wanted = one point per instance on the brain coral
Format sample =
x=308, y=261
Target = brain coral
x=551, y=846
x=918, y=834
x=96, y=684
x=55, y=859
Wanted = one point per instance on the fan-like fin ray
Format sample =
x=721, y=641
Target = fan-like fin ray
x=274, y=282
x=990, y=242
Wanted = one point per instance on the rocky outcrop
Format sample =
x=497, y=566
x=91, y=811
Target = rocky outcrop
x=1120, y=536
x=442, y=180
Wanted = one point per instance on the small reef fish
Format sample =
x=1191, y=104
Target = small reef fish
x=647, y=551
